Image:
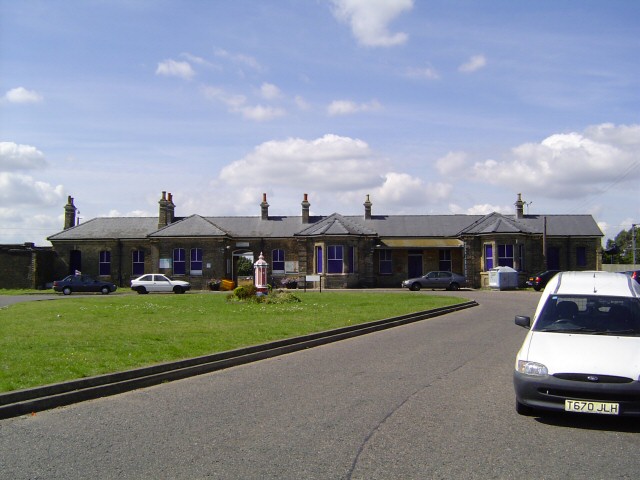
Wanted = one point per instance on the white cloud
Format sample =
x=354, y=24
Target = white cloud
x=20, y=157
x=568, y=165
x=427, y=73
x=172, y=68
x=369, y=20
x=236, y=103
x=347, y=107
x=474, y=64
x=238, y=58
x=308, y=164
x=22, y=95
x=301, y=103
x=261, y=113
x=270, y=91
x=402, y=190
x=453, y=163
x=19, y=189
x=233, y=101
x=132, y=213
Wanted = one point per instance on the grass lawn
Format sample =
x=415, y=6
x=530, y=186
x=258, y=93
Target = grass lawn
x=51, y=341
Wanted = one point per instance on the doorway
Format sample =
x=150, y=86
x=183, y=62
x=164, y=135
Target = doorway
x=414, y=265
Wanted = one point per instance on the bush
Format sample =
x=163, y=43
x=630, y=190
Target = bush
x=249, y=293
x=280, y=296
x=245, y=292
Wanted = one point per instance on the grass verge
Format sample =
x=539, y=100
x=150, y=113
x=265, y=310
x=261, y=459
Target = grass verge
x=52, y=341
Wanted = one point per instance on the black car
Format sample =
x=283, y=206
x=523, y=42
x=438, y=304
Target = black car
x=540, y=280
x=83, y=283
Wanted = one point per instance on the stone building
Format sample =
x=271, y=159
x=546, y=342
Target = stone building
x=27, y=266
x=346, y=251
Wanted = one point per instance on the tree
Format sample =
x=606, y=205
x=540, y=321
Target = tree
x=620, y=249
x=245, y=267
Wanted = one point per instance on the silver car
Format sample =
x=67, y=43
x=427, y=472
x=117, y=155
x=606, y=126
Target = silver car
x=156, y=282
x=439, y=279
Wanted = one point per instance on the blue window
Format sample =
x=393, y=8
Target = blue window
x=277, y=261
x=581, y=256
x=196, y=261
x=335, y=258
x=105, y=263
x=179, y=263
x=137, y=262
x=445, y=260
x=384, y=263
x=488, y=257
x=505, y=256
x=319, y=259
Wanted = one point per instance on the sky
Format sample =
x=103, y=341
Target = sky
x=428, y=107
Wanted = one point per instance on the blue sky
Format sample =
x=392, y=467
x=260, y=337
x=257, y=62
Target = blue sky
x=429, y=107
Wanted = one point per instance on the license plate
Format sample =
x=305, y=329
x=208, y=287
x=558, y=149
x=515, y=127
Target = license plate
x=602, y=408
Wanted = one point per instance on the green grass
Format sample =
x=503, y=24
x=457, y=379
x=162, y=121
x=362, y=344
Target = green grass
x=51, y=341
x=23, y=291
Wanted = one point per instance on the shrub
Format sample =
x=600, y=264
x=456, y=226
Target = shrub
x=280, y=296
x=245, y=292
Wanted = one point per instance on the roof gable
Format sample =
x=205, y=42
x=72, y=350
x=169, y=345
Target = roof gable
x=336, y=224
x=495, y=223
x=193, y=226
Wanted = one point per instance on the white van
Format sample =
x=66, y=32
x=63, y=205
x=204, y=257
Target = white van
x=582, y=352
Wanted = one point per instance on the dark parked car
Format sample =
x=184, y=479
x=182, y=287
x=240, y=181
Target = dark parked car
x=83, y=283
x=446, y=280
x=540, y=280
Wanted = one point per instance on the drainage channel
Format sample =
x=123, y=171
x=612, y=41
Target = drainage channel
x=22, y=402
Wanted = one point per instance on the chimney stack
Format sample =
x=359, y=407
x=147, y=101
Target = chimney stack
x=305, y=209
x=264, y=207
x=69, y=213
x=519, y=207
x=171, y=207
x=367, y=208
x=162, y=211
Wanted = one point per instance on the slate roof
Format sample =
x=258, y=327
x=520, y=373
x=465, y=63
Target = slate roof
x=110, y=228
x=556, y=225
x=399, y=226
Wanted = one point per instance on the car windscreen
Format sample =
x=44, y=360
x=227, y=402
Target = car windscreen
x=590, y=314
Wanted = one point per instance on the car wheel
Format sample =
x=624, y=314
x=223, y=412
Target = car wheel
x=525, y=410
x=66, y=290
x=141, y=290
x=454, y=286
x=537, y=288
x=105, y=290
x=177, y=289
x=415, y=286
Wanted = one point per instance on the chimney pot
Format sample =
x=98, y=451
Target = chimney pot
x=367, y=208
x=264, y=207
x=305, y=209
x=519, y=207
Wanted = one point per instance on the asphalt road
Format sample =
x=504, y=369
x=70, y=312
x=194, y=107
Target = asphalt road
x=428, y=400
